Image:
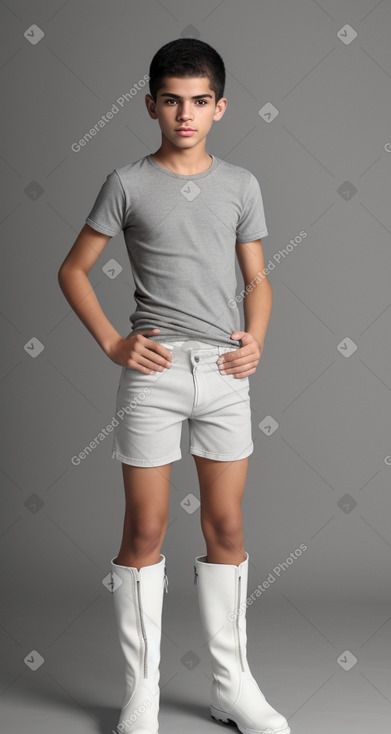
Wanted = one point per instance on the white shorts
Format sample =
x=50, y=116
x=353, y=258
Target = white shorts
x=150, y=409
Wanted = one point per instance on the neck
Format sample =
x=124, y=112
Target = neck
x=184, y=161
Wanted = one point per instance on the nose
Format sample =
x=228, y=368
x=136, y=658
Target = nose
x=184, y=112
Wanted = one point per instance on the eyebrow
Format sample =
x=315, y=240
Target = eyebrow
x=177, y=96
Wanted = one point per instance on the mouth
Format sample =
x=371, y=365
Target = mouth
x=185, y=131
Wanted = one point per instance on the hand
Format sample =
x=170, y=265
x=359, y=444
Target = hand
x=140, y=353
x=243, y=361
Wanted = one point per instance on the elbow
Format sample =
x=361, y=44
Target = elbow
x=268, y=285
x=63, y=275
x=60, y=275
x=68, y=272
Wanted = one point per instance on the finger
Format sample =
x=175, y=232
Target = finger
x=230, y=357
x=153, y=362
x=163, y=354
x=150, y=344
x=241, y=369
x=245, y=374
x=238, y=361
x=240, y=351
x=145, y=346
x=243, y=336
x=146, y=366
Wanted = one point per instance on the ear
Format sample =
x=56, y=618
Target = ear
x=150, y=104
x=221, y=106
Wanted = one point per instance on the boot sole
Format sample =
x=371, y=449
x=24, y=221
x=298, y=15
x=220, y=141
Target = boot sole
x=225, y=718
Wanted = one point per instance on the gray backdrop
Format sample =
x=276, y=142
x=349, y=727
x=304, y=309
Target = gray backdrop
x=308, y=88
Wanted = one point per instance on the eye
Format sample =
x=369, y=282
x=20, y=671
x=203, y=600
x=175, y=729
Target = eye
x=202, y=101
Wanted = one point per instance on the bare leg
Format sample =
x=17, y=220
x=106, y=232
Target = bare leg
x=146, y=514
x=222, y=485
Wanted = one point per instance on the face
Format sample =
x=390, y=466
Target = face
x=185, y=103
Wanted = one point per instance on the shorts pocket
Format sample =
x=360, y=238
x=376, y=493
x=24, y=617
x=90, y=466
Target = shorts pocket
x=136, y=378
x=236, y=380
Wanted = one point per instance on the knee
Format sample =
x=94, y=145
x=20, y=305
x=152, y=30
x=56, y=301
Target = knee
x=146, y=532
x=224, y=529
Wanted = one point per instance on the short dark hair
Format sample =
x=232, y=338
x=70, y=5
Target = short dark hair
x=187, y=57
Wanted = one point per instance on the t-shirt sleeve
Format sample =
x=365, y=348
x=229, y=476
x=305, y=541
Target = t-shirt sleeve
x=252, y=224
x=107, y=213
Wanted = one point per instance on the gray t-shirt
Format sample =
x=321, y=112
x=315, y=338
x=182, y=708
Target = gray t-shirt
x=180, y=233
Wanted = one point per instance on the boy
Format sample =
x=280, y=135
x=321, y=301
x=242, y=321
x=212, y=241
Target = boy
x=182, y=212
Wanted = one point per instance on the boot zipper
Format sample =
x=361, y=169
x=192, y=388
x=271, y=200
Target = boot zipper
x=237, y=620
x=140, y=609
x=237, y=617
x=165, y=580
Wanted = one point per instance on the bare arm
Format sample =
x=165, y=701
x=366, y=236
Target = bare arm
x=135, y=351
x=77, y=289
x=258, y=300
x=257, y=310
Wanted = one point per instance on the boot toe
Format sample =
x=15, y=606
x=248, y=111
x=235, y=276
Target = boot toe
x=277, y=725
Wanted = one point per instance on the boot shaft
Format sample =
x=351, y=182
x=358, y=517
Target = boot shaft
x=222, y=592
x=138, y=602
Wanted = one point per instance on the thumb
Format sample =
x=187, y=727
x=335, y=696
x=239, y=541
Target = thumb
x=242, y=335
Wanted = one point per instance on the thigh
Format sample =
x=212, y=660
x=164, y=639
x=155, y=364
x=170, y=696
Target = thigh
x=147, y=491
x=222, y=485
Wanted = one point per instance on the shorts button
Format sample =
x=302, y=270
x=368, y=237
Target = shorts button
x=196, y=359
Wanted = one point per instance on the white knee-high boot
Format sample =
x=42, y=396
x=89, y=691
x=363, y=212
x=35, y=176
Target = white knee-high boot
x=235, y=695
x=138, y=604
